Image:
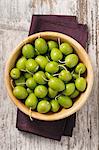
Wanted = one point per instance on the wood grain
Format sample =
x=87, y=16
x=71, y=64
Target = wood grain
x=92, y=109
x=15, y=19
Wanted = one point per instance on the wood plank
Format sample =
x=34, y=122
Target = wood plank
x=8, y=136
x=88, y=15
x=15, y=14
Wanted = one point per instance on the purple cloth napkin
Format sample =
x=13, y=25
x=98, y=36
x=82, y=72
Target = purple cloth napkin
x=67, y=25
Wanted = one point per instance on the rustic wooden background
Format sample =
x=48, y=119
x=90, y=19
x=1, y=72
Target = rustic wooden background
x=15, y=16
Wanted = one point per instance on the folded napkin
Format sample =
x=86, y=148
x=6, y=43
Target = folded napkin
x=67, y=25
x=63, y=24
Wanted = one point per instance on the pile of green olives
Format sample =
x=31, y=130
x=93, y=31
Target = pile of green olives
x=48, y=76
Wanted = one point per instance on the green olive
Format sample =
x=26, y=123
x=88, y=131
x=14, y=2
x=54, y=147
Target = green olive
x=70, y=88
x=66, y=48
x=74, y=94
x=71, y=60
x=32, y=65
x=65, y=75
x=54, y=105
x=65, y=101
x=43, y=106
x=56, y=84
x=56, y=54
x=20, y=92
x=21, y=63
x=40, y=77
x=40, y=91
x=30, y=83
x=15, y=73
x=80, y=68
x=42, y=61
x=51, y=45
x=52, y=93
x=28, y=51
x=31, y=101
x=41, y=45
x=52, y=67
x=80, y=84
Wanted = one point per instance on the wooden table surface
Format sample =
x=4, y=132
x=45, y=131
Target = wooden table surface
x=15, y=17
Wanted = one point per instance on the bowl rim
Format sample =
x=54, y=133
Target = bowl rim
x=65, y=112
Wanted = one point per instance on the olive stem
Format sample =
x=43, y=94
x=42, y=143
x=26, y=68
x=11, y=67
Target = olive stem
x=30, y=114
x=55, y=74
x=59, y=42
x=62, y=67
x=57, y=96
x=79, y=72
x=45, y=79
x=36, y=50
x=62, y=62
x=23, y=70
x=27, y=71
x=72, y=72
x=12, y=84
x=48, y=58
x=21, y=83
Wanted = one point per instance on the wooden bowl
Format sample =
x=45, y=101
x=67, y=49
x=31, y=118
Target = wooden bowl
x=83, y=57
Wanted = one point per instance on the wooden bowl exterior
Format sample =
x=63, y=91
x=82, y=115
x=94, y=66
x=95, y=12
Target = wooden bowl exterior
x=83, y=57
